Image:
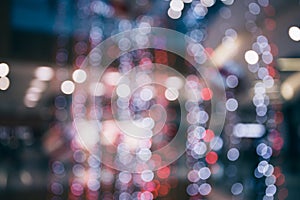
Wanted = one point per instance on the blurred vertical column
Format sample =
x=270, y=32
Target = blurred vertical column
x=5, y=36
x=269, y=178
x=59, y=135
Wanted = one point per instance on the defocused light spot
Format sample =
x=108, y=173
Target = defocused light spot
x=251, y=57
x=79, y=76
x=78, y=170
x=228, y=2
x=257, y=174
x=44, y=73
x=38, y=84
x=225, y=12
x=176, y=5
x=271, y=180
x=4, y=69
x=216, y=143
x=262, y=72
x=254, y=8
x=233, y=154
x=174, y=14
x=164, y=173
x=192, y=189
x=249, y=130
x=123, y=90
x=269, y=171
x=33, y=96
x=174, y=82
x=58, y=167
x=124, y=44
x=263, y=3
x=97, y=89
x=263, y=166
x=268, y=81
x=208, y=3
x=147, y=175
x=204, y=173
x=294, y=33
x=57, y=188
x=267, y=57
x=144, y=154
x=26, y=178
x=146, y=195
x=146, y=94
x=76, y=189
x=200, y=148
x=237, y=188
x=206, y=94
x=79, y=156
x=3, y=179
x=111, y=78
x=107, y=176
x=200, y=11
x=271, y=190
x=93, y=162
x=193, y=176
x=211, y=157
x=231, y=104
x=209, y=135
x=204, y=189
x=93, y=184
x=171, y=94
x=67, y=87
x=125, y=196
x=4, y=83
x=232, y=81
x=29, y=104
x=34, y=90
x=261, y=110
x=125, y=177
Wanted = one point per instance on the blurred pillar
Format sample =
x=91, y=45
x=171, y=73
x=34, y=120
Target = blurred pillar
x=292, y=121
x=5, y=40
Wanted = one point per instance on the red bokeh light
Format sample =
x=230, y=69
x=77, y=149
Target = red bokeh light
x=209, y=135
x=163, y=173
x=206, y=94
x=211, y=157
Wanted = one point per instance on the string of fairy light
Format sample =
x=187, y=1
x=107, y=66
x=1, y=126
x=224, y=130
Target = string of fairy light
x=260, y=61
x=260, y=100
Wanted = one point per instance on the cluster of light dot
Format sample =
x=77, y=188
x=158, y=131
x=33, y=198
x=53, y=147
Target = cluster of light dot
x=260, y=62
x=199, y=8
x=204, y=162
x=38, y=85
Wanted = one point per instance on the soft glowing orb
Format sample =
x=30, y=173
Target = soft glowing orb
x=251, y=57
x=4, y=83
x=294, y=33
x=176, y=5
x=4, y=69
x=67, y=87
x=44, y=73
x=79, y=76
